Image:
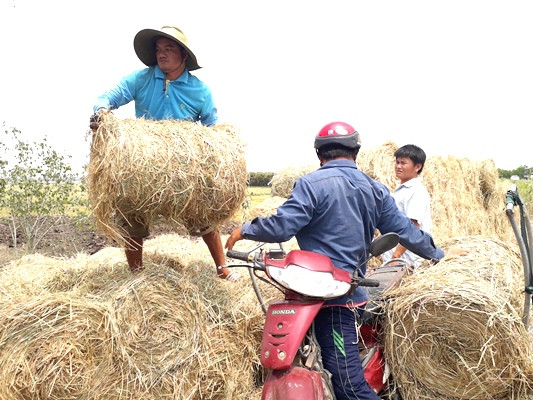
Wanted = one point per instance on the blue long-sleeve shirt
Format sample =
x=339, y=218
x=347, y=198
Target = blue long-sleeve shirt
x=186, y=98
x=334, y=211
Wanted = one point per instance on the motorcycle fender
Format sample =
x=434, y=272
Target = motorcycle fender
x=285, y=327
x=375, y=370
x=294, y=384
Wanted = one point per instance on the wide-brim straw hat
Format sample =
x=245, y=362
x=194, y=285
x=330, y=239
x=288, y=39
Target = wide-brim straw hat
x=144, y=45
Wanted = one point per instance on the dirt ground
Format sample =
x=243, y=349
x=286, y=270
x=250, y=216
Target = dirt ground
x=70, y=237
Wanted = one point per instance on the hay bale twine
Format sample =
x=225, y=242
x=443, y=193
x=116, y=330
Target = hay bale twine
x=189, y=174
x=454, y=330
x=283, y=181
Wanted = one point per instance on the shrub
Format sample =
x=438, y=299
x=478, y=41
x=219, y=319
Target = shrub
x=37, y=187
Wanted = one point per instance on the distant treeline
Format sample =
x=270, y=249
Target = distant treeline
x=259, y=178
x=263, y=178
x=522, y=172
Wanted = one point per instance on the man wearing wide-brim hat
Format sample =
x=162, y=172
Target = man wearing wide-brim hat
x=144, y=44
x=164, y=90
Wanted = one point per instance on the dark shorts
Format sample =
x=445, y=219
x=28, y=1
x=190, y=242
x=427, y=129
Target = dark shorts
x=135, y=226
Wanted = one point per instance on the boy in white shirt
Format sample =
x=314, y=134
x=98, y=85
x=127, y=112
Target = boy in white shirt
x=411, y=196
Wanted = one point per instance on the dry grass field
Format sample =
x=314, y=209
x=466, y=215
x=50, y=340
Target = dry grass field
x=68, y=238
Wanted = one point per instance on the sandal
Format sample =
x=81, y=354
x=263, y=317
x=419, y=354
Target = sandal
x=233, y=276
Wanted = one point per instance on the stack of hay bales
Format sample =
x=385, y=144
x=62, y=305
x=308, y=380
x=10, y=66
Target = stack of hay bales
x=454, y=331
x=283, y=181
x=467, y=198
x=86, y=327
x=191, y=175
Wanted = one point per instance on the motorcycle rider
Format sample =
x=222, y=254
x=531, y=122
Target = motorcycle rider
x=335, y=211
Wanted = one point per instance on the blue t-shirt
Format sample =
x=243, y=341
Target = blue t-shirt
x=335, y=211
x=186, y=98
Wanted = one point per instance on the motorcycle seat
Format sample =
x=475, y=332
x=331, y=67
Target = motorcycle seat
x=389, y=276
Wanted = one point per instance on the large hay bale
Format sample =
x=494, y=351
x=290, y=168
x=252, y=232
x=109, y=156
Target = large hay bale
x=91, y=329
x=283, y=181
x=465, y=199
x=55, y=347
x=189, y=174
x=378, y=163
x=454, y=331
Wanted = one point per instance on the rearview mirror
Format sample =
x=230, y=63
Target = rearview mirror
x=383, y=243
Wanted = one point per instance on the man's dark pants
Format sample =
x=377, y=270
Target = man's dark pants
x=335, y=329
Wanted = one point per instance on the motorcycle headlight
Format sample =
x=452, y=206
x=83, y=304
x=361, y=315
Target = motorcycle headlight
x=308, y=283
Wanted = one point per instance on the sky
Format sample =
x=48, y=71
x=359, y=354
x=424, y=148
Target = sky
x=454, y=77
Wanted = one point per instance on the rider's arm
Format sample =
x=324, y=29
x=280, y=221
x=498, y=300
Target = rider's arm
x=289, y=219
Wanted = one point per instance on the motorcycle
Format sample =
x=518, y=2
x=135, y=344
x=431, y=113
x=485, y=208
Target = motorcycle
x=289, y=349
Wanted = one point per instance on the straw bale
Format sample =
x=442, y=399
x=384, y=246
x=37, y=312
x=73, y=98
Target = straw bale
x=488, y=177
x=29, y=276
x=283, y=181
x=461, y=200
x=55, y=347
x=454, y=330
x=378, y=163
x=188, y=174
x=91, y=329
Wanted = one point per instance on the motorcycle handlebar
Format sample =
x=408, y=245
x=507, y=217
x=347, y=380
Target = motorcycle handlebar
x=368, y=282
x=238, y=255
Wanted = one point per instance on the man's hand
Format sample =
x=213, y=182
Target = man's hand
x=94, y=121
x=454, y=253
x=235, y=236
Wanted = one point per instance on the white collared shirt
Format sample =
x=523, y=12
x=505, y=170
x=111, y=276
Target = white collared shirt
x=412, y=198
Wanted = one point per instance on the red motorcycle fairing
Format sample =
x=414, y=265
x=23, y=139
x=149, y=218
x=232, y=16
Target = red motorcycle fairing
x=311, y=261
x=375, y=369
x=295, y=384
x=285, y=327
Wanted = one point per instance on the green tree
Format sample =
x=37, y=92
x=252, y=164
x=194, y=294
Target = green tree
x=37, y=187
x=259, y=178
x=523, y=172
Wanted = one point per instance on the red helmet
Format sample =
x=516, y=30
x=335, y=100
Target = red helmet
x=339, y=133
